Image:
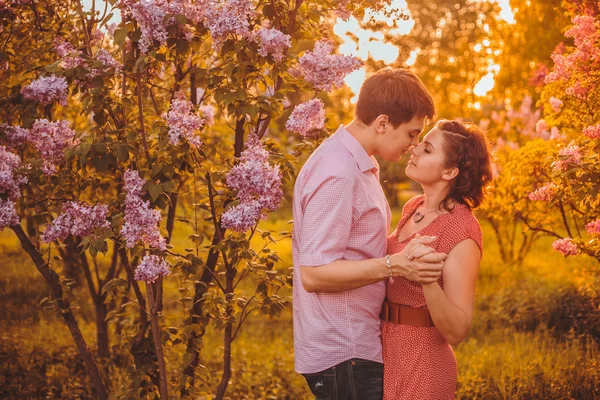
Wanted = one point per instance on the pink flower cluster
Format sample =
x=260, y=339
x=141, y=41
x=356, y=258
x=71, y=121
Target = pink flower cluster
x=15, y=135
x=228, y=17
x=10, y=181
x=150, y=15
x=258, y=185
x=307, y=117
x=565, y=246
x=556, y=104
x=273, y=42
x=107, y=59
x=541, y=126
x=593, y=228
x=208, y=114
x=151, y=268
x=8, y=214
x=568, y=156
x=545, y=193
x=323, y=69
x=141, y=222
x=555, y=134
x=582, y=60
x=47, y=89
x=183, y=122
x=592, y=131
x=77, y=219
x=70, y=56
x=51, y=139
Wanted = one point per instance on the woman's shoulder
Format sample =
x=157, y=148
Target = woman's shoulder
x=462, y=225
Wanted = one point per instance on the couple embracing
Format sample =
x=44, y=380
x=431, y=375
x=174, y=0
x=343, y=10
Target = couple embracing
x=375, y=314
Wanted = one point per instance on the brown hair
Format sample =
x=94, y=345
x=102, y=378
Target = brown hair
x=467, y=148
x=397, y=93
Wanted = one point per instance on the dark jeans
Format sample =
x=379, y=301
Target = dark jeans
x=355, y=379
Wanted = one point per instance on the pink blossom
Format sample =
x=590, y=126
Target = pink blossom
x=273, y=42
x=8, y=214
x=484, y=124
x=307, y=117
x=77, y=219
x=47, y=89
x=242, y=217
x=107, y=59
x=323, y=69
x=556, y=104
x=150, y=15
x=555, y=134
x=208, y=114
x=592, y=131
x=51, y=139
x=545, y=193
x=500, y=143
x=568, y=156
x=565, y=246
x=10, y=179
x=593, y=228
x=15, y=135
x=538, y=75
x=228, y=17
x=141, y=222
x=583, y=31
x=258, y=186
x=541, y=126
x=151, y=268
x=183, y=122
x=70, y=56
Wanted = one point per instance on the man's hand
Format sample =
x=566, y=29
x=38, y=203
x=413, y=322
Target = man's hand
x=418, y=262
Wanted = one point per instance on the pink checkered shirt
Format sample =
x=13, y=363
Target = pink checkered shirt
x=340, y=212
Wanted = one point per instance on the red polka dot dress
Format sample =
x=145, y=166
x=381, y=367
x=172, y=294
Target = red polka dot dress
x=418, y=362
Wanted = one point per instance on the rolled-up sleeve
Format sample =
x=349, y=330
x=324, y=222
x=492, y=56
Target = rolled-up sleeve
x=327, y=215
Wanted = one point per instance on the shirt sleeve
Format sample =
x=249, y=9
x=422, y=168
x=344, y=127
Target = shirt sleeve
x=327, y=215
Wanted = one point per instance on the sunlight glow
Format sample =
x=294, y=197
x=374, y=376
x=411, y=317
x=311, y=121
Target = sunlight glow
x=484, y=85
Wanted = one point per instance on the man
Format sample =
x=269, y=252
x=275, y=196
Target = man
x=341, y=224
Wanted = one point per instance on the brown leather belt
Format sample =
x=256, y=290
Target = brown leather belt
x=405, y=315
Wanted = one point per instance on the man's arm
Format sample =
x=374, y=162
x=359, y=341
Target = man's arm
x=342, y=275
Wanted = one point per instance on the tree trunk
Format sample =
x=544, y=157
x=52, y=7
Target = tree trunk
x=54, y=281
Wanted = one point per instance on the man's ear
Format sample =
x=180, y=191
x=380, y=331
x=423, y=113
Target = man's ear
x=450, y=173
x=381, y=123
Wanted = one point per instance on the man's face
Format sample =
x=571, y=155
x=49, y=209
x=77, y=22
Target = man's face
x=396, y=142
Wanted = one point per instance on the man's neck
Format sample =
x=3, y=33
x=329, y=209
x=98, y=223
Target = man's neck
x=362, y=134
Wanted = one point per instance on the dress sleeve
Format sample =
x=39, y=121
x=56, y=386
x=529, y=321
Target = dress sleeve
x=461, y=228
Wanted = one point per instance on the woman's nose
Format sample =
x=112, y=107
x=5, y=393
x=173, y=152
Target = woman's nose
x=412, y=150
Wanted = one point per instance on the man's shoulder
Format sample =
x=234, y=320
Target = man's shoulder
x=330, y=159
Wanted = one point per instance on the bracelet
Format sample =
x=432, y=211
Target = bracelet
x=388, y=262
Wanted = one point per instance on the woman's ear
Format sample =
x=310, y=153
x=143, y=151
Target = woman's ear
x=381, y=123
x=450, y=173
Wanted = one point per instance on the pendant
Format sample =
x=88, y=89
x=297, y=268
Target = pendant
x=418, y=217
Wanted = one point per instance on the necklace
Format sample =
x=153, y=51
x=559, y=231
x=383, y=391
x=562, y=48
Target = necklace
x=418, y=217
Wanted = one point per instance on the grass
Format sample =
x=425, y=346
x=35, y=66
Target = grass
x=535, y=332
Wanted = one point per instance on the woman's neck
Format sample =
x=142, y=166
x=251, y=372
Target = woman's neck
x=433, y=197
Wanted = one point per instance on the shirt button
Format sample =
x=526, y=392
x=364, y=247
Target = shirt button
x=353, y=362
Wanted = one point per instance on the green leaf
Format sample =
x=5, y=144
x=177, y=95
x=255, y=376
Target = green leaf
x=155, y=190
x=120, y=35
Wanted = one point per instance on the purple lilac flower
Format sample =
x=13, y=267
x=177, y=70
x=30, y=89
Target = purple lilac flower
x=47, y=89
x=141, y=222
x=307, y=117
x=183, y=122
x=323, y=69
x=150, y=268
x=77, y=219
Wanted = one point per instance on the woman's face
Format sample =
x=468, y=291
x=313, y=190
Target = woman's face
x=426, y=164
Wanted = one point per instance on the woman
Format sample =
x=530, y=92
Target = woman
x=421, y=322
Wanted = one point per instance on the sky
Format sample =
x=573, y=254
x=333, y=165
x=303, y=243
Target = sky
x=372, y=44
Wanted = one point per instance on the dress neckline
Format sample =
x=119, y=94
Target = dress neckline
x=412, y=211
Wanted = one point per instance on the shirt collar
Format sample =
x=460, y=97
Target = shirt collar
x=364, y=161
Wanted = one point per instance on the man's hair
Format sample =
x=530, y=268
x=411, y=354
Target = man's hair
x=397, y=93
